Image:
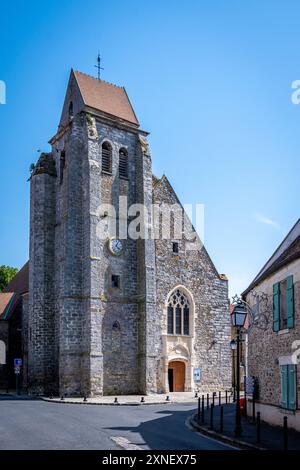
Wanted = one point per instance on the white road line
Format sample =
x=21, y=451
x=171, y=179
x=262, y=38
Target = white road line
x=125, y=443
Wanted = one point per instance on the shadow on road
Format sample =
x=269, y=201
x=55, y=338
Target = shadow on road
x=168, y=431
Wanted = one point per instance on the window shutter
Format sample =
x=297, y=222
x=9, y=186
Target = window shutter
x=290, y=301
x=276, y=313
x=291, y=386
x=284, y=386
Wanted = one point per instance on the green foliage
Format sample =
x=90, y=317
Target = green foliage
x=89, y=119
x=6, y=275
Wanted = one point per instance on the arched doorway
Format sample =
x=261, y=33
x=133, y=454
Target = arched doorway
x=176, y=376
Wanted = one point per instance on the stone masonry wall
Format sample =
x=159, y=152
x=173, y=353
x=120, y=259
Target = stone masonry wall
x=210, y=350
x=41, y=364
x=266, y=346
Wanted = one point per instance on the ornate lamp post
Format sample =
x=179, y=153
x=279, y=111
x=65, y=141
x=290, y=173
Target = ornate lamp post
x=233, y=349
x=238, y=318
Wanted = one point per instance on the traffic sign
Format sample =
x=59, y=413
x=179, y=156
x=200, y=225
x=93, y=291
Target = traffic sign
x=197, y=375
x=17, y=370
x=17, y=362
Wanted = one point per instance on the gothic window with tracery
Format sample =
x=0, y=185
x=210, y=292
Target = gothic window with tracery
x=178, y=314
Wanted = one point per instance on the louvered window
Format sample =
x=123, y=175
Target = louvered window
x=123, y=164
x=106, y=157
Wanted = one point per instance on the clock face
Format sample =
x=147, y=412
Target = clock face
x=115, y=246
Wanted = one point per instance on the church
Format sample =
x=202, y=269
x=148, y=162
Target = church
x=116, y=314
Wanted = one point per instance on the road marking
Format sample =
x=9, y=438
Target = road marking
x=125, y=443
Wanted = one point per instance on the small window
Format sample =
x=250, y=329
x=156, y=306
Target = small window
x=116, y=326
x=71, y=113
x=106, y=157
x=115, y=281
x=123, y=164
x=62, y=164
x=175, y=247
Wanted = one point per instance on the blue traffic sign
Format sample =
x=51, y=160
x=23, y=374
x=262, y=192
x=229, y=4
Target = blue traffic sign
x=17, y=362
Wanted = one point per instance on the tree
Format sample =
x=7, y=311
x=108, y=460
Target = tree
x=6, y=275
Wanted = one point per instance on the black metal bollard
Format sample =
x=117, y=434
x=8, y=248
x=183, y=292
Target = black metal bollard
x=202, y=414
x=196, y=394
x=167, y=398
x=143, y=400
x=116, y=401
x=221, y=418
x=258, y=427
x=226, y=397
x=253, y=409
x=84, y=399
x=285, y=433
x=212, y=416
x=207, y=400
x=219, y=398
x=213, y=398
x=62, y=398
x=198, y=417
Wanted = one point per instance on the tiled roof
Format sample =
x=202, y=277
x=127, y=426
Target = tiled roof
x=105, y=97
x=7, y=300
x=20, y=283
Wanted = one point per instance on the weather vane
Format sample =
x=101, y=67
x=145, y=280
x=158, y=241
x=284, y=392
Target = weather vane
x=98, y=66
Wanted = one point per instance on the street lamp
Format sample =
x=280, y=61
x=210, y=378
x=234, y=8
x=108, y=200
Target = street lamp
x=238, y=318
x=233, y=349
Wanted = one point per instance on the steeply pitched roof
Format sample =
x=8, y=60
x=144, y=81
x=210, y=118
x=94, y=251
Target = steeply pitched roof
x=287, y=251
x=105, y=97
x=20, y=283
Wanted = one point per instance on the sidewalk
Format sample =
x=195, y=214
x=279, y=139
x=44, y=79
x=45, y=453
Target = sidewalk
x=271, y=436
x=133, y=400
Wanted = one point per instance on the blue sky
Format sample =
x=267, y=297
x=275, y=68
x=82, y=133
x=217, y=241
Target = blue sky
x=211, y=81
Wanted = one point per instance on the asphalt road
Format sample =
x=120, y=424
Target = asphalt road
x=35, y=424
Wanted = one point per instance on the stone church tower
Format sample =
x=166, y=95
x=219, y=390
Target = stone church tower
x=115, y=315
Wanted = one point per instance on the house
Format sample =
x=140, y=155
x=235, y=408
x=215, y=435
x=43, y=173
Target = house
x=13, y=301
x=274, y=340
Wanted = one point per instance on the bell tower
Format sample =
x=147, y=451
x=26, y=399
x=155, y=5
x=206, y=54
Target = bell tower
x=92, y=296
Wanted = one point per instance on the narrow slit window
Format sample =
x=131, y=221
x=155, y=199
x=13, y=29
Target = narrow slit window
x=62, y=164
x=115, y=281
x=175, y=247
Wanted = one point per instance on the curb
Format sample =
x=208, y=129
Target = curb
x=222, y=437
x=68, y=402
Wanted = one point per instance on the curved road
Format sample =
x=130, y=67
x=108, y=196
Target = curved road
x=35, y=424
